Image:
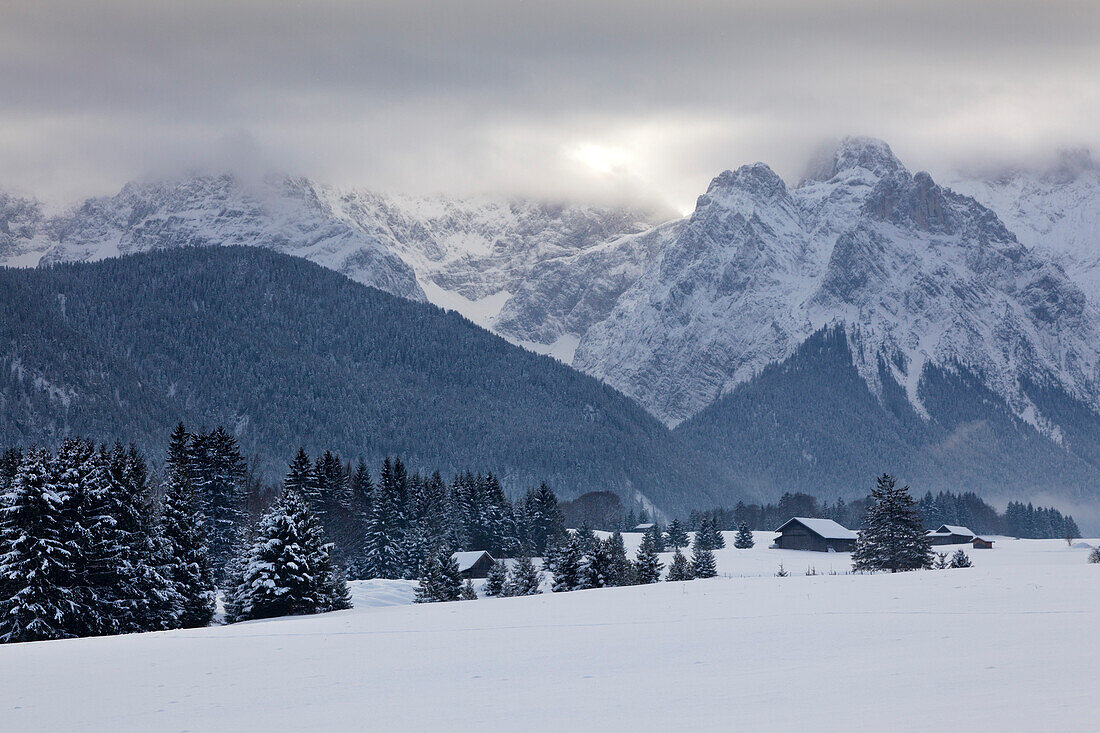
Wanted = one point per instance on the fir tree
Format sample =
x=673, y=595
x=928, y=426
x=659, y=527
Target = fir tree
x=647, y=565
x=546, y=522
x=383, y=554
x=702, y=560
x=893, y=537
x=289, y=570
x=679, y=568
x=186, y=563
x=525, y=579
x=704, y=536
x=941, y=561
x=299, y=476
x=439, y=578
x=620, y=571
x=496, y=580
x=717, y=541
x=1094, y=556
x=744, y=539
x=38, y=569
x=467, y=593
x=677, y=535
x=567, y=566
x=960, y=560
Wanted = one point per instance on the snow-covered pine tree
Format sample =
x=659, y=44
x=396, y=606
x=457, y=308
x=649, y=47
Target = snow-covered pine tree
x=960, y=560
x=941, y=561
x=39, y=565
x=546, y=522
x=717, y=541
x=647, y=565
x=185, y=562
x=679, y=569
x=677, y=535
x=468, y=592
x=893, y=535
x=496, y=580
x=567, y=565
x=440, y=580
x=217, y=472
x=299, y=475
x=702, y=560
x=704, y=536
x=525, y=579
x=289, y=569
x=743, y=540
x=383, y=555
x=1094, y=556
x=595, y=566
x=620, y=571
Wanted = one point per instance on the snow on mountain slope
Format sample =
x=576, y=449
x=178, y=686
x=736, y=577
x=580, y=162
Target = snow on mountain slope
x=468, y=255
x=757, y=653
x=917, y=273
x=1055, y=210
x=564, y=296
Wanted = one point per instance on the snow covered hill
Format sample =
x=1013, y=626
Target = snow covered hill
x=917, y=275
x=1005, y=645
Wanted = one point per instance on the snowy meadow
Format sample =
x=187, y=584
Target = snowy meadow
x=1007, y=644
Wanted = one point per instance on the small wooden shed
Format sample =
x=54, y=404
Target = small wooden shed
x=817, y=535
x=981, y=543
x=474, y=564
x=950, y=534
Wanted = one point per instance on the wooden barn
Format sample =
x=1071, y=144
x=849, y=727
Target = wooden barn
x=950, y=534
x=474, y=564
x=981, y=543
x=817, y=535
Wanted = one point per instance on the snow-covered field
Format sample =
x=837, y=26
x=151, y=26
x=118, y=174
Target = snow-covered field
x=1010, y=644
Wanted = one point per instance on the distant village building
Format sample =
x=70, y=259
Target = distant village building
x=474, y=564
x=950, y=534
x=817, y=535
x=644, y=527
x=981, y=543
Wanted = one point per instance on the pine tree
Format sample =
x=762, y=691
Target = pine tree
x=38, y=569
x=384, y=536
x=744, y=539
x=439, y=578
x=960, y=560
x=468, y=593
x=717, y=541
x=289, y=570
x=679, y=569
x=547, y=524
x=647, y=565
x=186, y=563
x=677, y=535
x=1094, y=556
x=893, y=537
x=217, y=472
x=496, y=580
x=620, y=571
x=525, y=579
x=941, y=561
x=702, y=559
x=299, y=476
x=567, y=566
x=704, y=536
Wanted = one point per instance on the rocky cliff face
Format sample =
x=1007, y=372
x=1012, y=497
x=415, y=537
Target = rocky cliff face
x=915, y=273
x=1053, y=209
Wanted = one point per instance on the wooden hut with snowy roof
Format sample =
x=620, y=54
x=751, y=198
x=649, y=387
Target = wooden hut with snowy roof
x=951, y=534
x=474, y=564
x=816, y=535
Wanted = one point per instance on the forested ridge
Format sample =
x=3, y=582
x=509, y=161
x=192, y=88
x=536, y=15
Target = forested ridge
x=286, y=353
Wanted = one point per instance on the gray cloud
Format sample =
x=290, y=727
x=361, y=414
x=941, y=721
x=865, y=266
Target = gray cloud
x=583, y=99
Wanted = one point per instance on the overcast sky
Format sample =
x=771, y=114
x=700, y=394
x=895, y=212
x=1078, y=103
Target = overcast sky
x=584, y=99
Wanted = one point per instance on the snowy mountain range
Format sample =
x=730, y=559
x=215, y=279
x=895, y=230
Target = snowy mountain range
x=990, y=283
x=917, y=274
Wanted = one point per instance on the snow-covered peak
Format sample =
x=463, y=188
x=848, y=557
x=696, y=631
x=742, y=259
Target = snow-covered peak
x=916, y=273
x=854, y=154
